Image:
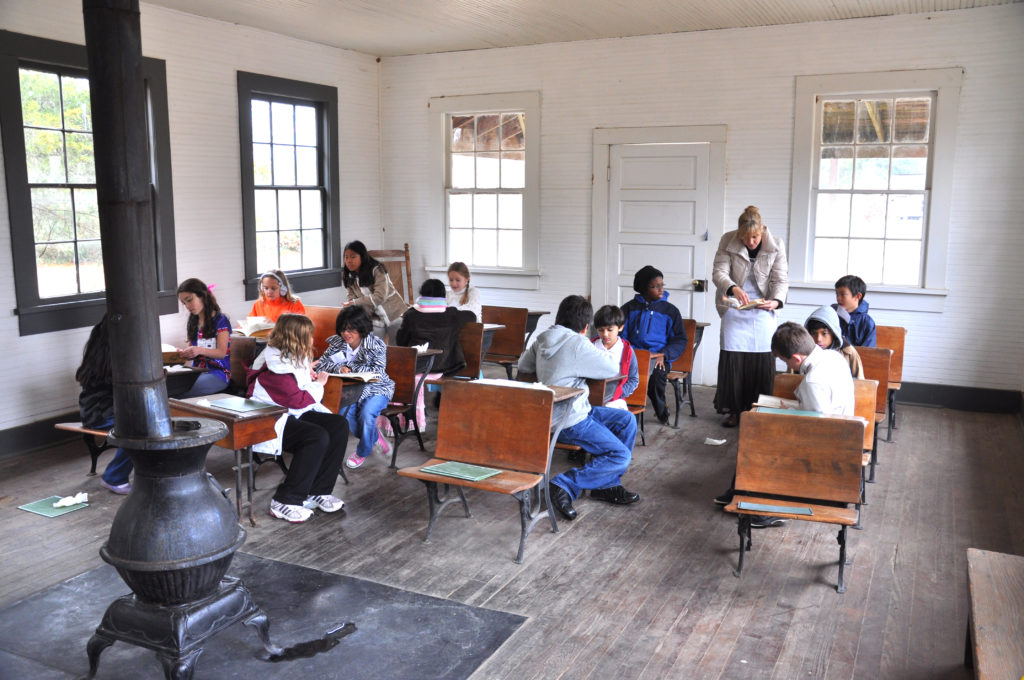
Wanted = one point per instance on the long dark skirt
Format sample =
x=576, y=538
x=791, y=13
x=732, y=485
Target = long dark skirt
x=741, y=377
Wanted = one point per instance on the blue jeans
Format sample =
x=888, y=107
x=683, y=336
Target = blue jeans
x=362, y=421
x=120, y=467
x=608, y=434
x=206, y=383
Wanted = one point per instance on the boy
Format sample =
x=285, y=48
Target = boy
x=858, y=328
x=562, y=355
x=653, y=323
x=824, y=327
x=608, y=321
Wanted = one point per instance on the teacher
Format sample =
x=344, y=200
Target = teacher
x=750, y=265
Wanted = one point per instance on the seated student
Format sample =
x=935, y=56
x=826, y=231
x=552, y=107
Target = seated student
x=208, y=331
x=276, y=297
x=282, y=374
x=355, y=349
x=608, y=321
x=823, y=325
x=858, y=327
x=462, y=296
x=562, y=355
x=653, y=323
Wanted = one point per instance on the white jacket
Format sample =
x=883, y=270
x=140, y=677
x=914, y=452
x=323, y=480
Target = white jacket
x=271, y=358
x=827, y=386
x=771, y=269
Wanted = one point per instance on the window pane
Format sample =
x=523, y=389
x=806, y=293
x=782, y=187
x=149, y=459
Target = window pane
x=40, y=99
x=513, y=170
x=51, y=215
x=867, y=216
x=837, y=122
x=906, y=215
x=872, y=168
x=485, y=247
x=284, y=165
x=485, y=211
x=76, y=103
x=902, y=263
x=306, y=165
x=312, y=248
x=81, y=165
x=487, y=170
x=510, y=249
x=55, y=270
x=460, y=245
x=87, y=214
x=829, y=258
x=463, y=133
x=873, y=120
x=836, y=169
x=463, y=171
x=266, y=251
x=909, y=167
x=291, y=250
x=44, y=156
x=312, y=215
x=305, y=125
x=833, y=215
x=266, y=211
x=282, y=123
x=288, y=210
x=510, y=211
x=460, y=211
x=488, y=132
x=90, y=266
x=513, y=134
x=260, y=121
x=913, y=120
x=261, y=175
x=866, y=259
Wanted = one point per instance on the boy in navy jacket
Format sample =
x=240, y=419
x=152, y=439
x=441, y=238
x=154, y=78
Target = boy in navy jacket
x=857, y=326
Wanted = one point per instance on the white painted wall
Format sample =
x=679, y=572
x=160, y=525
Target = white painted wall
x=202, y=59
x=745, y=79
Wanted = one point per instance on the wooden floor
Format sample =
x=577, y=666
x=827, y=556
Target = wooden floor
x=645, y=591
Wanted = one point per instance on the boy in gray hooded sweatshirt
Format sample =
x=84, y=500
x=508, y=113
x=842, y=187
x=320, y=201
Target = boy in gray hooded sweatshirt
x=563, y=355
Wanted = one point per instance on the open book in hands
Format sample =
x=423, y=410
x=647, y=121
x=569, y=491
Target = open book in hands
x=733, y=302
x=255, y=326
x=170, y=355
x=365, y=376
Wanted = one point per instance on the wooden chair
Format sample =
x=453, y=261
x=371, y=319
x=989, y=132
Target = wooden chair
x=500, y=427
x=876, y=362
x=401, y=367
x=995, y=629
x=680, y=372
x=324, y=320
x=95, y=441
x=509, y=342
x=787, y=465
x=637, y=402
x=894, y=338
x=399, y=268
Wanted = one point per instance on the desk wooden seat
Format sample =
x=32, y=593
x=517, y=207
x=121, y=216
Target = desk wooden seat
x=402, y=369
x=680, y=373
x=995, y=631
x=324, y=320
x=798, y=461
x=95, y=441
x=876, y=361
x=637, y=401
x=894, y=338
x=399, y=267
x=471, y=338
x=509, y=342
x=501, y=427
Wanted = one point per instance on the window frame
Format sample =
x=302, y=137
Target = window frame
x=43, y=315
x=945, y=83
x=325, y=97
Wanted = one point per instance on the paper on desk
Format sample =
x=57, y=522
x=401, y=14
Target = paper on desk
x=420, y=349
x=512, y=383
x=202, y=402
x=80, y=497
x=714, y=442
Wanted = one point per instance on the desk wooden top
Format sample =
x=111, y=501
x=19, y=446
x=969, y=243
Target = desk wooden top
x=244, y=429
x=493, y=327
x=563, y=393
x=996, y=583
x=537, y=312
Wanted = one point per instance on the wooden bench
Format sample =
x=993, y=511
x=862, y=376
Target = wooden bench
x=501, y=427
x=681, y=371
x=509, y=342
x=894, y=338
x=876, y=362
x=798, y=462
x=471, y=338
x=324, y=320
x=637, y=401
x=402, y=368
x=95, y=441
x=995, y=631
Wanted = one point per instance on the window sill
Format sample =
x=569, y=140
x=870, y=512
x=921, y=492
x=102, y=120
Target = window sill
x=493, y=277
x=816, y=294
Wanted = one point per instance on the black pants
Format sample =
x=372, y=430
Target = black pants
x=317, y=444
x=656, y=391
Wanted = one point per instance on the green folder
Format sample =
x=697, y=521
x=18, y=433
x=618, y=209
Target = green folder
x=45, y=507
x=774, y=509
x=240, y=405
x=471, y=473
x=790, y=411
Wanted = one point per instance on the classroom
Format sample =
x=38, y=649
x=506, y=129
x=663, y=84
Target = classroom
x=602, y=91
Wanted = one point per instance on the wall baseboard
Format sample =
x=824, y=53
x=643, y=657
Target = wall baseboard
x=960, y=398
x=41, y=434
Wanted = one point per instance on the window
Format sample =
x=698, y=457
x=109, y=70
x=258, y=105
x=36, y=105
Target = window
x=46, y=122
x=871, y=177
x=288, y=133
x=488, y=181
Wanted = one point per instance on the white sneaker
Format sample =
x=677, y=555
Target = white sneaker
x=326, y=503
x=290, y=513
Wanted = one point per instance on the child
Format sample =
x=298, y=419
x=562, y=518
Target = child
x=562, y=355
x=356, y=349
x=823, y=325
x=858, y=327
x=209, y=338
x=653, y=323
x=461, y=296
x=276, y=297
x=370, y=287
x=96, y=402
x=608, y=321
x=316, y=438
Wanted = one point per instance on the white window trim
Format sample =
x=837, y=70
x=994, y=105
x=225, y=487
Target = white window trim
x=946, y=84
x=527, y=276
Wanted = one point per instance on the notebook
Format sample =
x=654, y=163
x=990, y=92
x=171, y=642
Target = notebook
x=471, y=473
x=773, y=509
x=239, y=404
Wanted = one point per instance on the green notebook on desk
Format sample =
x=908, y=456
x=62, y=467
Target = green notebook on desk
x=240, y=405
x=790, y=411
x=471, y=473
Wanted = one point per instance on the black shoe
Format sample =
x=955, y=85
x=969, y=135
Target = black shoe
x=764, y=521
x=616, y=495
x=724, y=499
x=662, y=417
x=560, y=499
x=732, y=420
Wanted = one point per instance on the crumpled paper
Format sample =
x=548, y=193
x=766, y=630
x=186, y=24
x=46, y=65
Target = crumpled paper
x=80, y=497
x=714, y=442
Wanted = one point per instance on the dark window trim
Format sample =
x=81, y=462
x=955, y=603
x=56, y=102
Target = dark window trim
x=254, y=84
x=37, y=315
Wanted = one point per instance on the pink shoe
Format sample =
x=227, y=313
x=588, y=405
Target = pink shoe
x=382, y=447
x=119, y=489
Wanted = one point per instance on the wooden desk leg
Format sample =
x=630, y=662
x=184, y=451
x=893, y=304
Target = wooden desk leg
x=252, y=485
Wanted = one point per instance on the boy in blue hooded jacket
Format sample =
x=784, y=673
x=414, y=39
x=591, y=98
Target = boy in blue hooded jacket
x=653, y=323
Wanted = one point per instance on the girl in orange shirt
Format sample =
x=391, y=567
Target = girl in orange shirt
x=276, y=297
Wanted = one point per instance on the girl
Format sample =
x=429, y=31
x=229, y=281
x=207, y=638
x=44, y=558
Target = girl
x=276, y=297
x=208, y=331
x=96, y=402
x=461, y=296
x=356, y=350
x=316, y=438
x=370, y=287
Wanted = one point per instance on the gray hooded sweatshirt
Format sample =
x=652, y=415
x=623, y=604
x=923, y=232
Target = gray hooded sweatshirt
x=560, y=356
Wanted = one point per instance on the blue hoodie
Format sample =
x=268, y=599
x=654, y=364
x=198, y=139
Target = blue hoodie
x=859, y=331
x=656, y=326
